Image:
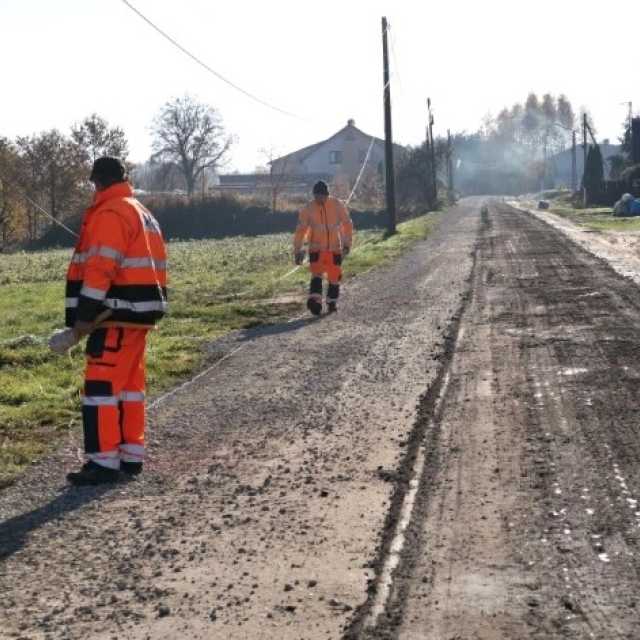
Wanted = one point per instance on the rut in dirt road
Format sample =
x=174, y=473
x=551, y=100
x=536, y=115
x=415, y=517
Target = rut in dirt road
x=526, y=523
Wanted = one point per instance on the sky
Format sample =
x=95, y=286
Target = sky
x=321, y=62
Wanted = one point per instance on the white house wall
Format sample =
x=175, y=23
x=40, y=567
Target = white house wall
x=353, y=149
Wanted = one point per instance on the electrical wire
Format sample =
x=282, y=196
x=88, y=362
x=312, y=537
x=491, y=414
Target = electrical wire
x=364, y=164
x=205, y=66
x=48, y=215
x=44, y=211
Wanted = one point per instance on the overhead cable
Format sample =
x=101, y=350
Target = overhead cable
x=204, y=65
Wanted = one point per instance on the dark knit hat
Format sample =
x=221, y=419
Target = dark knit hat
x=108, y=170
x=320, y=188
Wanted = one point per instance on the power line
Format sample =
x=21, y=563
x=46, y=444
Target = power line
x=362, y=168
x=164, y=34
x=44, y=211
x=52, y=218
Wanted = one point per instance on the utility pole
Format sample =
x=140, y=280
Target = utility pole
x=434, y=181
x=635, y=140
x=388, y=136
x=543, y=173
x=574, y=167
x=584, y=157
x=450, y=166
x=427, y=173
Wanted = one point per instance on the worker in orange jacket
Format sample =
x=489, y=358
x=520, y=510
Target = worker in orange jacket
x=326, y=225
x=116, y=291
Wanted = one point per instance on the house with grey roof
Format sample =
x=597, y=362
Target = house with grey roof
x=339, y=158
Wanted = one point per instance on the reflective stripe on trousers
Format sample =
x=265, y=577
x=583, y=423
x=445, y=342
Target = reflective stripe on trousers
x=132, y=452
x=109, y=459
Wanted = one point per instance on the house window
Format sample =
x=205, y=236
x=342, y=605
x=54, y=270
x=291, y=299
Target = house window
x=335, y=157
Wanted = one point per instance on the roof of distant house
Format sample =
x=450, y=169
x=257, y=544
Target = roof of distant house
x=305, y=152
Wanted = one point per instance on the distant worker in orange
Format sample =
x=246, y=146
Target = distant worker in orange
x=326, y=225
x=116, y=292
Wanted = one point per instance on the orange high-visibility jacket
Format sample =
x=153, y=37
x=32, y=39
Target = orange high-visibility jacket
x=328, y=227
x=119, y=263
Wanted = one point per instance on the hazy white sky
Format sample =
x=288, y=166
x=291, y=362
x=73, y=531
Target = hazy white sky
x=64, y=59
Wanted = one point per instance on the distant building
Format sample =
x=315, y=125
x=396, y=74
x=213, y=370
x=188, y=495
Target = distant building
x=339, y=158
x=336, y=160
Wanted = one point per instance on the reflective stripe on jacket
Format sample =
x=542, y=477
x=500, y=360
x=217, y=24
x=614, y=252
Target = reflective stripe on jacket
x=119, y=263
x=327, y=227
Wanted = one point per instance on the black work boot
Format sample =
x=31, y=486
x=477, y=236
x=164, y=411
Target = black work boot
x=333, y=293
x=93, y=474
x=131, y=469
x=314, y=303
x=314, y=306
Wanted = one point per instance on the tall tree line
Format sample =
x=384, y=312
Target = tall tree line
x=510, y=151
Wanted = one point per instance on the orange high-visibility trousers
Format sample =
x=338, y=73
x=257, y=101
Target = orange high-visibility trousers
x=113, y=409
x=326, y=262
x=321, y=263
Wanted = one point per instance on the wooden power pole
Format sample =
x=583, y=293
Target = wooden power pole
x=635, y=140
x=388, y=136
x=449, y=167
x=584, y=158
x=432, y=148
x=574, y=160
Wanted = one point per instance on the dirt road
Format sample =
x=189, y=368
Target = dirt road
x=526, y=523
x=469, y=416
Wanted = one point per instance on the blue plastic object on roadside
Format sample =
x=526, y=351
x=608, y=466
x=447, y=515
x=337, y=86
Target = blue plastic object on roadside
x=634, y=209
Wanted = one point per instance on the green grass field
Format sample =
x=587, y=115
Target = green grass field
x=596, y=218
x=216, y=286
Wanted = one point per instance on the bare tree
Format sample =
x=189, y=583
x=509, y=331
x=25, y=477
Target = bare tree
x=191, y=135
x=95, y=138
x=55, y=172
x=154, y=175
x=278, y=172
x=566, y=116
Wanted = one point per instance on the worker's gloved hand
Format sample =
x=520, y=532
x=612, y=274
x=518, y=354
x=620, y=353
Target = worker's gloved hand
x=346, y=251
x=62, y=340
x=299, y=257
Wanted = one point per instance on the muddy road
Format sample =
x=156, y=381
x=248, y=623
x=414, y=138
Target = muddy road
x=525, y=523
x=454, y=455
